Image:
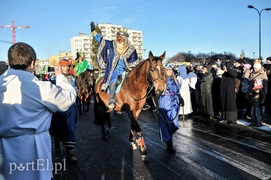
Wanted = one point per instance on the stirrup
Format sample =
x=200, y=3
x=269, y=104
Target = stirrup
x=111, y=104
x=103, y=88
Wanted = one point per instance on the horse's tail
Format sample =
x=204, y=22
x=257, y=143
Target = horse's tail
x=96, y=113
x=98, y=120
x=100, y=109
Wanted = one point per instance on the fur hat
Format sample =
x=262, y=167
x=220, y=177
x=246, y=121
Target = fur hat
x=257, y=66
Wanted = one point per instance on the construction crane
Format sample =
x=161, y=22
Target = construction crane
x=12, y=26
x=6, y=41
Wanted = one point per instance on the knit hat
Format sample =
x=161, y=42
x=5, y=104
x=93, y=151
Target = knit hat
x=248, y=66
x=257, y=84
x=170, y=66
x=257, y=66
x=64, y=62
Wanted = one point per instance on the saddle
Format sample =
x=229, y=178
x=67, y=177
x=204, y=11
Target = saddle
x=119, y=80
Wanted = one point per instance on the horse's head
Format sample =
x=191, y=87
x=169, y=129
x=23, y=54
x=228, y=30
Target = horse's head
x=90, y=77
x=156, y=72
x=85, y=82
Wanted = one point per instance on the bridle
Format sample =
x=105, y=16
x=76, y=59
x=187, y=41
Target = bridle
x=151, y=81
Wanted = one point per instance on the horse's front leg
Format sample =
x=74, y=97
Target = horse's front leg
x=107, y=121
x=132, y=139
x=78, y=102
x=139, y=136
x=104, y=133
x=142, y=147
x=88, y=103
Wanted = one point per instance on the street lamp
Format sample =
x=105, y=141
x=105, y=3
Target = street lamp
x=259, y=12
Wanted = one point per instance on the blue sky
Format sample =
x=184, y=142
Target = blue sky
x=199, y=26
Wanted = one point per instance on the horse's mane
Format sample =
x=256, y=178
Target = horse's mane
x=139, y=66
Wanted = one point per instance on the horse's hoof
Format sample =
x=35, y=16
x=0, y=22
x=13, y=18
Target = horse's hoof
x=133, y=146
x=109, y=129
x=105, y=138
x=145, y=158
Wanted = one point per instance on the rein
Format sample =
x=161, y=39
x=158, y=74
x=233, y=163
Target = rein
x=136, y=99
x=151, y=80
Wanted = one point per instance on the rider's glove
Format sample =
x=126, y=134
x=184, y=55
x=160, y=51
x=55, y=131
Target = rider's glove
x=92, y=26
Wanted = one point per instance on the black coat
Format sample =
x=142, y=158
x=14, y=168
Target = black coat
x=206, y=94
x=216, y=96
x=227, y=92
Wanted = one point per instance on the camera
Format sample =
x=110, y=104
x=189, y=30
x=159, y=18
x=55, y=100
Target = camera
x=51, y=69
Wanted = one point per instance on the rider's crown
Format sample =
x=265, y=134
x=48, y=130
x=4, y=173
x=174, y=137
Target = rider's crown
x=123, y=32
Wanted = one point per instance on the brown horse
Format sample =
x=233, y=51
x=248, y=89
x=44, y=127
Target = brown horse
x=85, y=84
x=132, y=97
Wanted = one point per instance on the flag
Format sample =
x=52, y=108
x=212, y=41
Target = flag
x=43, y=69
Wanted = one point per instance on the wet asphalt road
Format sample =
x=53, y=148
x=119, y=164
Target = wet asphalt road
x=205, y=149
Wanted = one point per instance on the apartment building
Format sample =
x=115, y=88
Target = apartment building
x=83, y=42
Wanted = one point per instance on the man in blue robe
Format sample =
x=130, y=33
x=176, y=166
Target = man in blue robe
x=63, y=126
x=115, y=57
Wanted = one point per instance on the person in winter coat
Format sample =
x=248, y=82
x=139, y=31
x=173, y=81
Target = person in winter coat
x=186, y=81
x=256, y=97
x=216, y=94
x=114, y=57
x=206, y=92
x=26, y=110
x=169, y=104
x=227, y=91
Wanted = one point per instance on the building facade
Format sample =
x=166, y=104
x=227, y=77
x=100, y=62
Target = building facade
x=81, y=43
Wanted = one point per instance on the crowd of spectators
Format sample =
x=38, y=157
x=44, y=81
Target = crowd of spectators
x=229, y=90
x=226, y=90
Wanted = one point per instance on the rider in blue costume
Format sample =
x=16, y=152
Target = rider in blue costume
x=115, y=57
x=169, y=103
x=63, y=125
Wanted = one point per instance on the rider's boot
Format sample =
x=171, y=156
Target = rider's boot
x=71, y=155
x=112, y=94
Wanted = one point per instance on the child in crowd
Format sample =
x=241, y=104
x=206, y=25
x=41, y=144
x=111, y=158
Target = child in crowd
x=256, y=96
